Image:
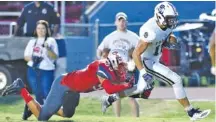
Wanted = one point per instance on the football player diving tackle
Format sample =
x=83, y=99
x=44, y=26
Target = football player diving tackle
x=109, y=73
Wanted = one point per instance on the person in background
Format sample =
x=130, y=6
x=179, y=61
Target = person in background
x=120, y=40
x=40, y=53
x=34, y=12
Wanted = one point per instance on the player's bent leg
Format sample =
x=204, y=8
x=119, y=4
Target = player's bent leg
x=166, y=75
x=70, y=102
x=163, y=73
x=18, y=87
x=27, y=113
x=35, y=107
x=53, y=101
x=60, y=112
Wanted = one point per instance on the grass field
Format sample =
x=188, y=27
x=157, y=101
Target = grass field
x=89, y=111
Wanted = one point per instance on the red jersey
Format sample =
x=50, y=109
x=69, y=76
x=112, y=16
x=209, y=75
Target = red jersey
x=86, y=80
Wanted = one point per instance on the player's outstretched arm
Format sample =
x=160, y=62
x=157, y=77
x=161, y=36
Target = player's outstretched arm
x=112, y=88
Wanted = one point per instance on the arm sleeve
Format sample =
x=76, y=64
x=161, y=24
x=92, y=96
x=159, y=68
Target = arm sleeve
x=111, y=88
x=28, y=50
x=21, y=20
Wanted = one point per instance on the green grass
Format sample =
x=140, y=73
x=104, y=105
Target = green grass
x=89, y=111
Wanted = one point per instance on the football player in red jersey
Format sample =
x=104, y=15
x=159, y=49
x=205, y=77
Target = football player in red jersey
x=109, y=73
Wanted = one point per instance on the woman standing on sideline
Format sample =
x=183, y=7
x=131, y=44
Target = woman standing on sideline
x=40, y=53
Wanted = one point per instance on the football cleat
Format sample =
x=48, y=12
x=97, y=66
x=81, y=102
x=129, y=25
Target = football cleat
x=14, y=88
x=196, y=114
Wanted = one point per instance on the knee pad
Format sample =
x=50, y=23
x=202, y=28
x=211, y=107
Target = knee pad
x=178, y=88
x=70, y=102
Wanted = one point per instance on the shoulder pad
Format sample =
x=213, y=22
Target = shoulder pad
x=147, y=34
x=103, y=71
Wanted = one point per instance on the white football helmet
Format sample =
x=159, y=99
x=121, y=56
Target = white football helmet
x=116, y=58
x=165, y=14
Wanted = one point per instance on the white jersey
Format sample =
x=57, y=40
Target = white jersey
x=151, y=32
x=118, y=40
x=34, y=48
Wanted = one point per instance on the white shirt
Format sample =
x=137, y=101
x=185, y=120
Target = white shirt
x=118, y=40
x=152, y=33
x=37, y=50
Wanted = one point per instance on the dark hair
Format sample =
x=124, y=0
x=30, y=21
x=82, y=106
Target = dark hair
x=46, y=24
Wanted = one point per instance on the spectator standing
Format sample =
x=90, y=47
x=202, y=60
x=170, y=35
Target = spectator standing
x=40, y=53
x=120, y=40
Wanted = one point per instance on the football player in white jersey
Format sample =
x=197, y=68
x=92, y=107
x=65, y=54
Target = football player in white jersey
x=122, y=41
x=153, y=34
